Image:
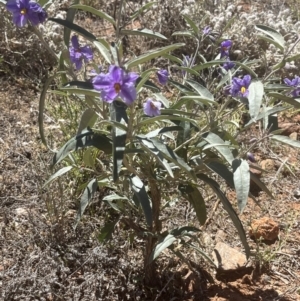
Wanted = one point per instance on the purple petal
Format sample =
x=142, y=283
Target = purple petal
x=128, y=93
x=246, y=80
x=13, y=6
x=20, y=20
x=87, y=53
x=130, y=78
x=116, y=74
x=237, y=82
x=226, y=44
x=74, y=41
x=78, y=64
x=296, y=93
x=102, y=82
x=287, y=82
x=163, y=76
x=109, y=95
x=33, y=17
x=152, y=108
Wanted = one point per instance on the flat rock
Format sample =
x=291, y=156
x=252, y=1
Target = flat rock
x=227, y=258
x=267, y=164
x=265, y=228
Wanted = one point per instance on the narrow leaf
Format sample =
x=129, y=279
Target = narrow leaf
x=71, y=26
x=151, y=55
x=143, y=32
x=201, y=90
x=292, y=101
x=162, y=245
x=104, y=51
x=256, y=93
x=96, y=12
x=228, y=207
x=88, y=119
x=193, y=195
x=140, y=192
x=241, y=178
x=259, y=183
x=87, y=195
x=107, y=231
x=272, y=33
x=69, y=18
x=58, y=174
x=286, y=140
x=192, y=24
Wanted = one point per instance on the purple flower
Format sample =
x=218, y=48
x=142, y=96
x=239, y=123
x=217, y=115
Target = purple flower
x=228, y=65
x=239, y=87
x=25, y=10
x=206, y=30
x=78, y=54
x=294, y=83
x=117, y=82
x=163, y=76
x=225, y=46
x=152, y=108
x=250, y=157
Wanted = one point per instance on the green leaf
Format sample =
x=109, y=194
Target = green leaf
x=184, y=33
x=189, y=70
x=201, y=90
x=181, y=231
x=292, y=101
x=256, y=93
x=208, y=64
x=140, y=10
x=42, y=108
x=96, y=12
x=228, y=207
x=192, y=24
x=88, y=158
x=245, y=67
x=107, y=231
x=59, y=173
x=71, y=26
x=180, y=87
x=212, y=138
x=241, y=178
x=87, y=195
x=88, y=119
x=222, y=170
x=143, y=32
x=162, y=99
x=193, y=195
x=69, y=18
x=118, y=114
x=85, y=139
x=103, y=50
x=163, y=130
x=162, y=245
x=140, y=192
x=148, y=146
x=259, y=183
x=170, y=155
x=197, y=99
x=276, y=37
x=151, y=55
x=286, y=140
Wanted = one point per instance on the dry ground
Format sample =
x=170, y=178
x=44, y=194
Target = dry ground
x=43, y=258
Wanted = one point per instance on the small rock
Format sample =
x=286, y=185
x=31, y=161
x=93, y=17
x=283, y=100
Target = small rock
x=297, y=193
x=264, y=228
x=294, y=136
x=21, y=212
x=267, y=164
x=220, y=236
x=227, y=258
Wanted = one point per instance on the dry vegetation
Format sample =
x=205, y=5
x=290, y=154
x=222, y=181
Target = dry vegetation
x=44, y=258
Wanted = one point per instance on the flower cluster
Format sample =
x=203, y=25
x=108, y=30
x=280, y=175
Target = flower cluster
x=294, y=83
x=116, y=83
x=26, y=10
x=225, y=47
x=79, y=53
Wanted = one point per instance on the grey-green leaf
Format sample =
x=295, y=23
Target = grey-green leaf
x=87, y=195
x=241, y=178
x=286, y=140
x=162, y=245
x=144, y=32
x=58, y=174
x=285, y=98
x=212, y=138
x=104, y=51
x=140, y=192
x=228, y=207
x=193, y=195
x=149, y=55
x=275, y=35
x=201, y=90
x=256, y=93
x=88, y=119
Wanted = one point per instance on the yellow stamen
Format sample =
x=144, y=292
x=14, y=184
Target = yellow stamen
x=243, y=90
x=23, y=11
x=117, y=87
